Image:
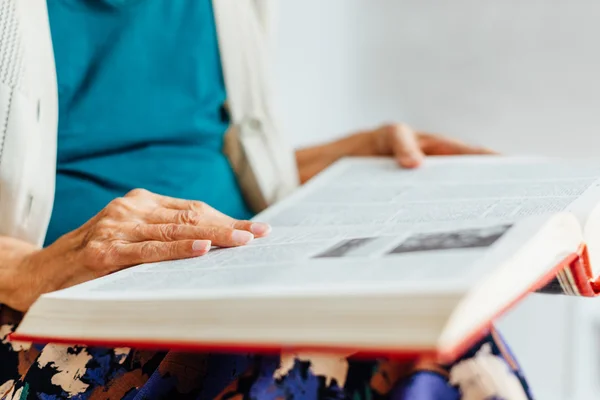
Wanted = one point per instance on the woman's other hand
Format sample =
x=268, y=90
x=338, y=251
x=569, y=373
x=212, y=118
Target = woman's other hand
x=409, y=147
x=400, y=141
x=139, y=228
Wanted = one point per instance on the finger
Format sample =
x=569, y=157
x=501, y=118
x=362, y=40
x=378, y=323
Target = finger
x=175, y=203
x=435, y=145
x=226, y=236
x=258, y=229
x=405, y=146
x=210, y=214
x=222, y=236
x=154, y=251
x=191, y=205
x=189, y=217
x=197, y=213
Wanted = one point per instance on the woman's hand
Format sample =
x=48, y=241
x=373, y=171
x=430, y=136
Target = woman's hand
x=139, y=228
x=400, y=141
x=409, y=147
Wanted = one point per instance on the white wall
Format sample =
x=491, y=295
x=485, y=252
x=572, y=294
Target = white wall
x=521, y=76
x=489, y=71
x=317, y=68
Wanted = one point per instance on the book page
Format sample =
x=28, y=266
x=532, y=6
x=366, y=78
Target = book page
x=444, y=191
x=366, y=224
x=448, y=259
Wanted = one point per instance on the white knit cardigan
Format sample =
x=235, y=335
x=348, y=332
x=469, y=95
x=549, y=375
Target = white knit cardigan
x=262, y=159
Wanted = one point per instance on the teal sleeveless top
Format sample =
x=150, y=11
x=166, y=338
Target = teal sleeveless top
x=141, y=96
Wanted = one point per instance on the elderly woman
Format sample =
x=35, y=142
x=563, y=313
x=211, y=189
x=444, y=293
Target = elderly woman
x=159, y=101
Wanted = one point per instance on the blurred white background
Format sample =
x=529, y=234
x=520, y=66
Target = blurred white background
x=520, y=76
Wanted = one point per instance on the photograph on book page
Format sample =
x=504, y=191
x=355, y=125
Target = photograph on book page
x=417, y=242
x=472, y=238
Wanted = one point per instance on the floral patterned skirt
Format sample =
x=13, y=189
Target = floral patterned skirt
x=487, y=372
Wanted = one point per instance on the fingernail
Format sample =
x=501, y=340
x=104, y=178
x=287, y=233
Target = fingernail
x=201, y=245
x=410, y=162
x=241, y=237
x=259, y=229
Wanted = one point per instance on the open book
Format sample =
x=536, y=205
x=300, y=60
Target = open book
x=366, y=257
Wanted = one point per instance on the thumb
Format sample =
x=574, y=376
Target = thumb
x=405, y=146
